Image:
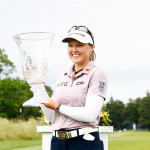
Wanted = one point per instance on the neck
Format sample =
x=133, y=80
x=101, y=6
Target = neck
x=76, y=72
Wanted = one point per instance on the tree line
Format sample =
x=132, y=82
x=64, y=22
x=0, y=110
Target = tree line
x=136, y=111
x=14, y=92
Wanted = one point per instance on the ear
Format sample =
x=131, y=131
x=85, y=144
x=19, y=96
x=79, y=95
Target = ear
x=92, y=47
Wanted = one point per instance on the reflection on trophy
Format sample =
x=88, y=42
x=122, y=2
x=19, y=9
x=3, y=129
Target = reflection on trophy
x=34, y=47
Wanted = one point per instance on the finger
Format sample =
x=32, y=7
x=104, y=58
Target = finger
x=44, y=104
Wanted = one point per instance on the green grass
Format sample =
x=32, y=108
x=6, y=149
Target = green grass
x=34, y=144
x=129, y=140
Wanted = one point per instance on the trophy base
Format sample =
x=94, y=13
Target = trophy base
x=34, y=102
x=40, y=96
x=31, y=103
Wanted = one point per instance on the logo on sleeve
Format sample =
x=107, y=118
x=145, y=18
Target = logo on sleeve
x=101, y=86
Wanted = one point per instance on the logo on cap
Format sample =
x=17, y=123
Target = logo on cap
x=77, y=34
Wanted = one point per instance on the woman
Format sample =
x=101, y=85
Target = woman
x=78, y=96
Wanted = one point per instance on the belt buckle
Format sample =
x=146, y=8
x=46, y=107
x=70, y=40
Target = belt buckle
x=62, y=135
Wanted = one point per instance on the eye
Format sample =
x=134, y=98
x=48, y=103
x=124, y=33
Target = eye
x=79, y=45
x=69, y=45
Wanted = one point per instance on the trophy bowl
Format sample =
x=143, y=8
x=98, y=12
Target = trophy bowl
x=34, y=48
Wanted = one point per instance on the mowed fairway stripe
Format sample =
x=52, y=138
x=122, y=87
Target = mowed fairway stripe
x=35, y=144
x=129, y=140
x=29, y=148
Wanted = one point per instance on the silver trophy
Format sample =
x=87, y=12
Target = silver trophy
x=34, y=47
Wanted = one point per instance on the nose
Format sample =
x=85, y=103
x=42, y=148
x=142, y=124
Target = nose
x=74, y=49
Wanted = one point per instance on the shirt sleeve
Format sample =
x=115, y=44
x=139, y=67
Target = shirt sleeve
x=88, y=113
x=98, y=84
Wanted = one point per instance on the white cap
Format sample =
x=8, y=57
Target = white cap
x=80, y=36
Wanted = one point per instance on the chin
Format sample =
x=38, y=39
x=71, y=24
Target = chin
x=76, y=61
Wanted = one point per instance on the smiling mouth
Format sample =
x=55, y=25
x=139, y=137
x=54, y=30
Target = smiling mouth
x=75, y=55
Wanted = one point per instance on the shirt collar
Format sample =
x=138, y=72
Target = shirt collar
x=86, y=70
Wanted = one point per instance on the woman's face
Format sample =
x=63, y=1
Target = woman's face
x=79, y=53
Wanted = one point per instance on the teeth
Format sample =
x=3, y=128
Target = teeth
x=75, y=55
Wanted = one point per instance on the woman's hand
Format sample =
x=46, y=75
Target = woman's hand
x=51, y=104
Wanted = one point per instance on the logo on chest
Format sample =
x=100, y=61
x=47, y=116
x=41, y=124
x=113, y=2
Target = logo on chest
x=79, y=83
x=62, y=84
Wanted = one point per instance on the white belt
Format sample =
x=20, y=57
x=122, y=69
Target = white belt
x=64, y=135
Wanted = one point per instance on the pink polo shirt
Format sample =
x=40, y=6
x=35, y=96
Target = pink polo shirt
x=72, y=91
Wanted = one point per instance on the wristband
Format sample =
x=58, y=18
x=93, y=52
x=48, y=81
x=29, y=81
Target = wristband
x=57, y=108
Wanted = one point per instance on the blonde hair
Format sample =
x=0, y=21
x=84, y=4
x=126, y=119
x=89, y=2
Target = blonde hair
x=93, y=56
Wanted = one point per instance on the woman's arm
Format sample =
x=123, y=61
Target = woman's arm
x=88, y=113
x=47, y=112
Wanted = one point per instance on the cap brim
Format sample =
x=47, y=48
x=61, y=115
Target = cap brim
x=80, y=36
x=76, y=37
x=66, y=40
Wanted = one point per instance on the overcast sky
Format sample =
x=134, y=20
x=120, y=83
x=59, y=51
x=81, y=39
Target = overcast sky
x=121, y=29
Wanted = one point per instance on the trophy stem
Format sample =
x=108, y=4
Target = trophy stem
x=39, y=96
